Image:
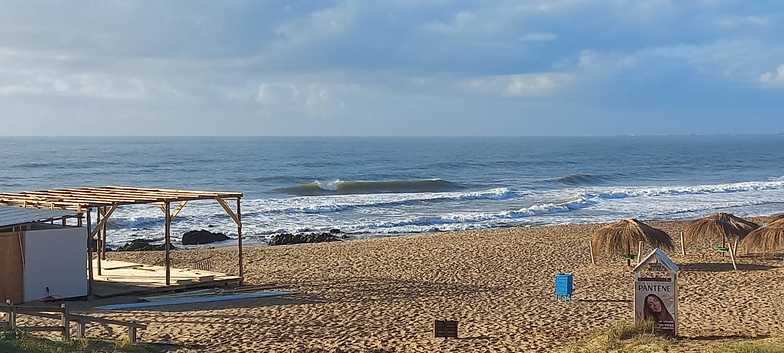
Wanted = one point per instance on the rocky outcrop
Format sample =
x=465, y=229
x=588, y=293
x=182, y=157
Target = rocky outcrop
x=142, y=245
x=198, y=237
x=303, y=238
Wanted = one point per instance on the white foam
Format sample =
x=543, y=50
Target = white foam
x=325, y=204
x=418, y=212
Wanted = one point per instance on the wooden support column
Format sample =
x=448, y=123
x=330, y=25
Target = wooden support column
x=89, y=257
x=683, y=245
x=239, y=241
x=105, y=228
x=98, y=216
x=167, y=240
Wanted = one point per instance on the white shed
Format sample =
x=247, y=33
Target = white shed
x=38, y=259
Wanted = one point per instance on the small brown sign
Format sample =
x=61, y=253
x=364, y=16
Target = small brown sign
x=446, y=328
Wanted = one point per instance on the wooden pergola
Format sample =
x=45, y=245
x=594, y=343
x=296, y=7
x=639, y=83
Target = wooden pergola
x=106, y=199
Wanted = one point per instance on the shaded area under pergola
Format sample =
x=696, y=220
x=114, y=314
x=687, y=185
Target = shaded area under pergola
x=106, y=199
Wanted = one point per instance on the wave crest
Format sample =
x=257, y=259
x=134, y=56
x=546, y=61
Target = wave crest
x=353, y=187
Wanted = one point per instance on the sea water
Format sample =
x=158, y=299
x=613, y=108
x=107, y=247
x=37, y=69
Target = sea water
x=380, y=186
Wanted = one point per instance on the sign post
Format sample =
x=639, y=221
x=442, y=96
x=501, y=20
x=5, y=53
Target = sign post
x=445, y=329
x=656, y=293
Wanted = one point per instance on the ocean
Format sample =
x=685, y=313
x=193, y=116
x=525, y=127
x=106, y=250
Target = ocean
x=378, y=186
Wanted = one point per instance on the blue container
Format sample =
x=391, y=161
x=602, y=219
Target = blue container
x=564, y=286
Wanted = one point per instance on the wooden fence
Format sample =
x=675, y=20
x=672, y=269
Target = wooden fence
x=65, y=317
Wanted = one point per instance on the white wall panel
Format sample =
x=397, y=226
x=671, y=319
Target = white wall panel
x=56, y=259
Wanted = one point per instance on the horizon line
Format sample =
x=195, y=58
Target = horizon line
x=397, y=136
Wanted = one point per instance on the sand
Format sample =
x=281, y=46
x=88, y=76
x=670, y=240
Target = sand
x=383, y=294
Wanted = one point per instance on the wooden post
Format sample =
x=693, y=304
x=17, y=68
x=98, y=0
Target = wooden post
x=683, y=245
x=89, y=257
x=11, y=316
x=628, y=254
x=239, y=241
x=98, y=215
x=66, y=324
x=167, y=240
x=639, y=251
x=132, y=333
x=81, y=329
x=590, y=248
x=103, y=240
x=732, y=257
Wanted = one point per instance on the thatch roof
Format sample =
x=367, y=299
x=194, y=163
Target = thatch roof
x=775, y=217
x=769, y=238
x=622, y=237
x=718, y=226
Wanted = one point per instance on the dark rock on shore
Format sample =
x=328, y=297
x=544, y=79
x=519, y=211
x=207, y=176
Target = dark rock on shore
x=302, y=238
x=142, y=245
x=198, y=237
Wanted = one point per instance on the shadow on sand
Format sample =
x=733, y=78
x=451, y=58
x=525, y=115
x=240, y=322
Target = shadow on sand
x=723, y=267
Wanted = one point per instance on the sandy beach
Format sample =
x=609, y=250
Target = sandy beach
x=383, y=294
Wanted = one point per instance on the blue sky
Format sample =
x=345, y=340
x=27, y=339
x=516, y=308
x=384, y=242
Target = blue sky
x=397, y=67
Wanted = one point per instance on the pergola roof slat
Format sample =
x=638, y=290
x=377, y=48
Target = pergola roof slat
x=87, y=197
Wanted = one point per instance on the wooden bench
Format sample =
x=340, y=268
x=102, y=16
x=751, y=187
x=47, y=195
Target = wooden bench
x=66, y=317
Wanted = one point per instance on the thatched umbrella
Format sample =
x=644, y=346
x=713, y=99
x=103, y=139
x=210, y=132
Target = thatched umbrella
x=766, y=239
x=722, y=226
x=775, y=217
x=621, y=236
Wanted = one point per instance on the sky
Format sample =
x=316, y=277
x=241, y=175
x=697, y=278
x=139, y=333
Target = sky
x=393, y=67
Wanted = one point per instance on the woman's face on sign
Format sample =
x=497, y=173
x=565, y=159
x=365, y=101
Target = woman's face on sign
x=654, y=304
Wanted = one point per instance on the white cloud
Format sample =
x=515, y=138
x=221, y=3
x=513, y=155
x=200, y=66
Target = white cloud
x=743, y=22
x=521, y=85
x=317, y=25
x=92, y=85
x=775, y=77
x=538, y=37
x=312, y=99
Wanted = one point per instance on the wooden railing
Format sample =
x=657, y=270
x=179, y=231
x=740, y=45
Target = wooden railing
x=63, y=314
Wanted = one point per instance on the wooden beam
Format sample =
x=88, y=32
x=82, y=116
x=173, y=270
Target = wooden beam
x=102, y=221
x=98, y=228
x=89, y=258
x=178, y=209
x=239, y=242
x=167, y=241
x=229, y=210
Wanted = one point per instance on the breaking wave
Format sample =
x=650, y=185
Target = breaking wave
x=350, y=187
x=338, y=203
x=580, y=179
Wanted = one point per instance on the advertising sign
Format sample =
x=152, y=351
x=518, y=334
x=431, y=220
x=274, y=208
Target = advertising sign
x=656, y=300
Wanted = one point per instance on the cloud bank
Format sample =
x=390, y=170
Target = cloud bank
x=439, y=67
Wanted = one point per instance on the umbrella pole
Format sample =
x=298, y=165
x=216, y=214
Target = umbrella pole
x=590, y=248
x=628, y=254
x=683, y=245
x=639, y=251
x=732, y=257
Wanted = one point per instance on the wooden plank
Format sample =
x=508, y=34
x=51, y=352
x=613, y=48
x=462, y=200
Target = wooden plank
x=40, y=328
x=229, y=210
x=99, y=320
x=239, y=241
x=80, y=196
x=226, y=194
x=32, y=308
x=167, y=241
x=11, y=268
x=102, y=221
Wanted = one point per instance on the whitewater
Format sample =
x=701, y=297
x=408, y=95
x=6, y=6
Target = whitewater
x=387, y=186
